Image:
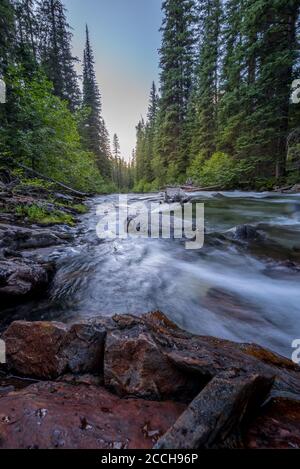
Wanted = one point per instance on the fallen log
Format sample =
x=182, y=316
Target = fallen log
x=47, y=178
x=200, y=189
x=217, y=411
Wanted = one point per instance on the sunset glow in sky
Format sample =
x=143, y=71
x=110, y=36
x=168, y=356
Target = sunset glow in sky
x=125, y=38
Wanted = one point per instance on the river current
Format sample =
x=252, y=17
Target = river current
x=245, y=290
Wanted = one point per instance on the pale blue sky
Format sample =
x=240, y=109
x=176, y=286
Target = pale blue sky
x=125, y=38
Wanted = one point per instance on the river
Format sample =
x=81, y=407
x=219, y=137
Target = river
x=242, y=290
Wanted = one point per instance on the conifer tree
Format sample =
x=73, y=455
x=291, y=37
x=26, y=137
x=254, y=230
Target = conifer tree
x=116, y=155
x=270, y=55
x=230, y=109
x=7, y=34
x=55, y=51
x=140, y=151
x=260, y=38
x=149, y=136
x=204, y=100
x=26, y=25
x=177, y=70
x=94, y=132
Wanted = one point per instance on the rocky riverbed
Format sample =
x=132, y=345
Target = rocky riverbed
x=141, y=382
x=84, y=377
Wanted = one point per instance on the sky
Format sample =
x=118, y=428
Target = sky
x=125, y=38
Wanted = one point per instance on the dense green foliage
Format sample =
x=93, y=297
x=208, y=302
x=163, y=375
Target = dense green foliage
x=44, y=133
x=224, y=113
x=42, y=122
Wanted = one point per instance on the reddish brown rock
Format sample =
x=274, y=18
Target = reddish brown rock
x=83, y=348
x=134, y=364
x=152, y=357
x=217, y=411
x=60, y=415
x=34, y=349
x=276, y=427
x=48, y=349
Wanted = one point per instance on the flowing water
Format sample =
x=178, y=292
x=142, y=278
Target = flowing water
x=238, y=290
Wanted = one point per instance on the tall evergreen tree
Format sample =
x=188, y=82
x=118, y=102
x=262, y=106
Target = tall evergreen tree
x=149, y=136
x=258, y=71
x=230, y=109
x=204, y=100
x=27, y=25
x=116, y=155
x=94, y=132
x=140, y=153
x=7, y=34
x=177, y=70
x=55, y=51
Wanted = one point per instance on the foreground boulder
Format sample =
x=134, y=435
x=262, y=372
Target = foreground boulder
x=134, y=364
x=148, y=357
x=21, y=278
x=151, y=356
x=59, y=415
x=276, y=426
x=218, y=410
x=47, y=350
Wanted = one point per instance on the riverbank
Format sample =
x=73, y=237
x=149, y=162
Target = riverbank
x=34, y=216
x=130, y=382
x=148, y=379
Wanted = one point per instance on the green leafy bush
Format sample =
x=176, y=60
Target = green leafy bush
x=40, y=215
x=44, y=134
x=220, y=170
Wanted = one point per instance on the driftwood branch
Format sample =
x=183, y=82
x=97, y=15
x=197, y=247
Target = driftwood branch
x=47, y=178
x=199, y=189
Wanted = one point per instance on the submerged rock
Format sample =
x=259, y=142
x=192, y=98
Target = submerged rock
x=63, y=416
x=175, y=195
x=247, y=233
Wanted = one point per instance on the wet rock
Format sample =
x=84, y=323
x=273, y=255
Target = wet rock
x=276, y=427
x=48, y=349
x=207, y=357
x=83, y=348
x=18, y=238
x=202, y=358
x=35, y=349
x=59, y=415
x=134, y=364
x=6, y=390
x=296, y=188
x=247, y=233
x=20, y=278
x=175, y=195
x=218, y=410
